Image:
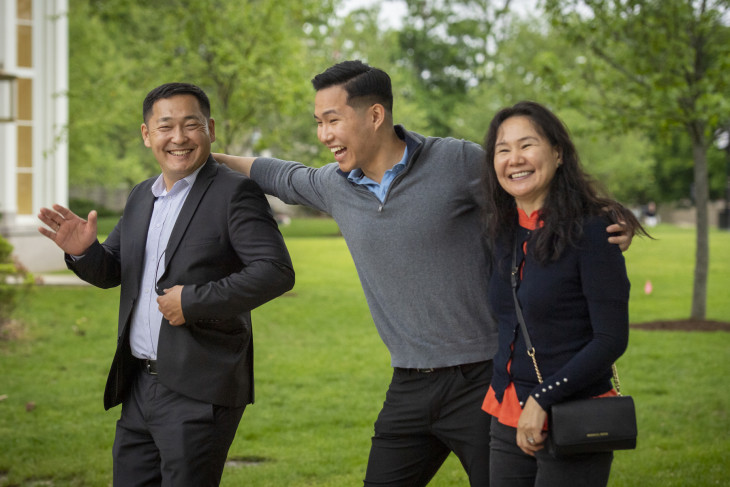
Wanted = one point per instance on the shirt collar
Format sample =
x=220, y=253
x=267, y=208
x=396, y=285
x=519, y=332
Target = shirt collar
x=400, y=131
x=357, y=176
x=159, y=189
x=531, y=222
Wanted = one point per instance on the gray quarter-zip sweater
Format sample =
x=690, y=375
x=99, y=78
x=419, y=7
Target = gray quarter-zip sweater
x=419, y=254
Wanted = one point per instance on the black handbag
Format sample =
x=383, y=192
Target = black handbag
x=585, y=425
x=592, y=425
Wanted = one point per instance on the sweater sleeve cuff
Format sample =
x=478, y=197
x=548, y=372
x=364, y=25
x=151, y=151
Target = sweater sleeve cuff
x=548, y=393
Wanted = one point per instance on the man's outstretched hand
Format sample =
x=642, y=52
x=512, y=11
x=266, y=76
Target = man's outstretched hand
x=72, y=234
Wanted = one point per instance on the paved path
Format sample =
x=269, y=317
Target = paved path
x=59, y=280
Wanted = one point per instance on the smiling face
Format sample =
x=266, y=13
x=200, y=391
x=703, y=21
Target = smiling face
x=346, y=131
x=525, y=162
x=179, y=135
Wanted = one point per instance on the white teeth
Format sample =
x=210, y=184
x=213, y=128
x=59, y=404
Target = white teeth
x=180, y=152
x=520, y=174
x=336, y=149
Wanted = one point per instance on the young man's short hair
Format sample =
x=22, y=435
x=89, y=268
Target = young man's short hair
x=364, y=84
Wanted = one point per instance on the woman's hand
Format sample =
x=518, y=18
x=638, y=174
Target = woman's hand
x=530, y=436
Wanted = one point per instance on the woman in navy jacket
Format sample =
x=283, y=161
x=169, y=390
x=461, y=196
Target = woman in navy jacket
x=573, y=291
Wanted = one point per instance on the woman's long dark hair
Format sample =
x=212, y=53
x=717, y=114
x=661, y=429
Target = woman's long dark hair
x=572, y=194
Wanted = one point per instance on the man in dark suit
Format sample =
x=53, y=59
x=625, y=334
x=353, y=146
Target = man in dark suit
x=195, y=251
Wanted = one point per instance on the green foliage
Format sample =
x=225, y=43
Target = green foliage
x=624, y=165
x=446, y=46
x=525, y=58
x=105, y=145
x=15, y=282
x=658, y=63
x=659, y=66
x=623, y=162
x=673, y=174
x=248, y=56
x=322, y=371
x=453, y=65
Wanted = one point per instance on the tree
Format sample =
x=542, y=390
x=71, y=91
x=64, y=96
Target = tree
x=623, y=163
x=447, y=44
x=104, y=114
x=248, y=56
x=673, y=177
x=659, y=64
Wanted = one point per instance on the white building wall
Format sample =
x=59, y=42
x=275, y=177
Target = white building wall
x=50, y=122
x=51, y=170
x=8, y=134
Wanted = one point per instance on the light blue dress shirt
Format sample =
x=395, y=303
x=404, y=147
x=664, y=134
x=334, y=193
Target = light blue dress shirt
x=379, y=190
x=146, y=317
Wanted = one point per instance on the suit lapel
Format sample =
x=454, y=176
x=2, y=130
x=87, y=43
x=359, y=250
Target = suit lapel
x=138, y=224
x=202, y=182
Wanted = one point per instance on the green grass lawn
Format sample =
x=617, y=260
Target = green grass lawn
x=322, y=371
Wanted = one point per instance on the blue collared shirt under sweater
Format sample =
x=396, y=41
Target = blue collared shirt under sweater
x=379, y=189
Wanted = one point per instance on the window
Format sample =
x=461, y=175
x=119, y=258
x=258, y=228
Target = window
x=24, y=121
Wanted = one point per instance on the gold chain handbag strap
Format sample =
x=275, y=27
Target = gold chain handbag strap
x=531, y=353
x=530, y=349
x=514, y=277
x=616, y=383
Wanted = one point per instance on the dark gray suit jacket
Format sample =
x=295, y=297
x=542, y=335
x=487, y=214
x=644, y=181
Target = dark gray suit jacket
x=226, y=249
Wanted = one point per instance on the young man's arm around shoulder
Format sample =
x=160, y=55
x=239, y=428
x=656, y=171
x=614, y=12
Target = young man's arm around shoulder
x=237, y=163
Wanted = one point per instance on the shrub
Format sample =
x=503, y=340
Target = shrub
x=15, y=280
x=82, y=207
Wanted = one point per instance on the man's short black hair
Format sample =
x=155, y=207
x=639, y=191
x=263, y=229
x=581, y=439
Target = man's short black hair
x=363, y=84
x=169, y=90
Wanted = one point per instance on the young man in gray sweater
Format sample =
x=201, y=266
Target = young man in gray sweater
x=408, y=208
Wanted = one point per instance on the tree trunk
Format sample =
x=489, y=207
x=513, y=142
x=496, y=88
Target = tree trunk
x=702, y=253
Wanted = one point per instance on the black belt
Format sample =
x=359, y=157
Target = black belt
x=462, y=367
x=149, y=366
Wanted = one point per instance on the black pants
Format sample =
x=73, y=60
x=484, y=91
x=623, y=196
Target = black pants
x=166, y=439
x=427, y=415
x=511, y=467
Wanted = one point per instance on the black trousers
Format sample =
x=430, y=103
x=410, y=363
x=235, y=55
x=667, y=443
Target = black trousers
x=427, y=415
x=167, y=439
x=511, y=467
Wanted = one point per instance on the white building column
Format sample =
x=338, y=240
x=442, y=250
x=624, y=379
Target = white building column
x=8, y=134
x=49, y=171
